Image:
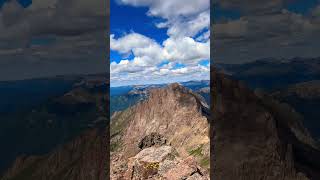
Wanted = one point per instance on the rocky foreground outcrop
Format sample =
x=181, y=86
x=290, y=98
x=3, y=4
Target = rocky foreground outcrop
x=162, y=163
x=163, y=137
x=256, y=137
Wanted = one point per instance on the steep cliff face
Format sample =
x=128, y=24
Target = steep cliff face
x=256, y=137
x=174, y=116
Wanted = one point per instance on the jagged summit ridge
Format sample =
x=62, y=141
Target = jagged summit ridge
x=166, y=110
x=182, y=91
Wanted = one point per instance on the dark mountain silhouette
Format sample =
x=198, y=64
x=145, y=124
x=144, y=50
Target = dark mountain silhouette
x=273, y=74
x=256, y=137
x=51, y=124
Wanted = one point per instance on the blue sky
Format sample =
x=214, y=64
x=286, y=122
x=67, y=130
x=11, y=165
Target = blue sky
x=159, y=41
x=126, y=19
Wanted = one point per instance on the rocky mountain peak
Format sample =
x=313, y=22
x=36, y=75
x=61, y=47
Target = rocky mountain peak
x=182, y=95
x=174, y=114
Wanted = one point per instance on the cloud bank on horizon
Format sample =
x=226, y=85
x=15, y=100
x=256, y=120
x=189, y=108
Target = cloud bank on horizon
x=246, y=30
x=183, y=54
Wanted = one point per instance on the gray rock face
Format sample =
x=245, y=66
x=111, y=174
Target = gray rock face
x=153, y=139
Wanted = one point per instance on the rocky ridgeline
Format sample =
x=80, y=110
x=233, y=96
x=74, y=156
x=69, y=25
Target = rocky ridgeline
x=256, y=137
x=83, y=158
x=163, y=137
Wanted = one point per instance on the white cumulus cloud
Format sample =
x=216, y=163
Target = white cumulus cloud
x=187, y=23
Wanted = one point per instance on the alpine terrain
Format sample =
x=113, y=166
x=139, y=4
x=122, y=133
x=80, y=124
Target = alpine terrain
x=165, y=136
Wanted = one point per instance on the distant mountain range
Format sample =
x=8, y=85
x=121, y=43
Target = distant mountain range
x=22, y=95
x=50, y=117
x=121, y=90
x=274, y=74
